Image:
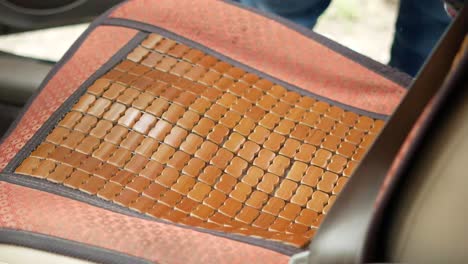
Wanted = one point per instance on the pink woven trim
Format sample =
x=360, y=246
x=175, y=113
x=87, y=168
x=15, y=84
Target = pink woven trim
x=270, y=47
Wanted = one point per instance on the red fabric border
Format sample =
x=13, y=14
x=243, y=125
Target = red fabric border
x=97, y=49
x=31, y=210
x=270, y=47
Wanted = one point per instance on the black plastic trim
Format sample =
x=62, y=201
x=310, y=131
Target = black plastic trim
x=65, y=247
x=347, y=234
x=450, y=98
x=16, y=18
x=42, y=11
x=8, y=114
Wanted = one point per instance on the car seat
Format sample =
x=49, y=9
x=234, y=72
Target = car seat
x=205, y=132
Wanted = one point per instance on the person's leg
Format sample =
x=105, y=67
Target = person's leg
x=303, y=12
x=419, y=26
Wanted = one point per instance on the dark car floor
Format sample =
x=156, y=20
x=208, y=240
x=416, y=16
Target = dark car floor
x=7, y=115
x=15, y=90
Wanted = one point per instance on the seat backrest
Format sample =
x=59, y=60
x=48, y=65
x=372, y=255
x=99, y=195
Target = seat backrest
x=352, y=230
x=428, y=223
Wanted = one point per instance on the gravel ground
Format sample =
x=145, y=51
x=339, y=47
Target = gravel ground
x=366, y=26
x=363, y=25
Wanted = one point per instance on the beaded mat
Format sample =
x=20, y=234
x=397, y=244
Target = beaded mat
x=179, y=135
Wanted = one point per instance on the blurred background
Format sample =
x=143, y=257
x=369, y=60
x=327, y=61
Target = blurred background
x=366, y=26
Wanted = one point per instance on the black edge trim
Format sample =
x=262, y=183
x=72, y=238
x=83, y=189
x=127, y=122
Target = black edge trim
x=9, y=176
x=442, y=102
x=153, y=29
x=387, y=71
x=66, y=57
x=65, y=247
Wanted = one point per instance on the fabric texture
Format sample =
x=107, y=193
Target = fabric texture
x=251, y=39
x=100, y=45
x=36, y=211
x=270, y=47
x=420, y=25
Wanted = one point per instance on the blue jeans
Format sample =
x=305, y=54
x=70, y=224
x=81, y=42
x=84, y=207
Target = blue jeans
x=419, y=26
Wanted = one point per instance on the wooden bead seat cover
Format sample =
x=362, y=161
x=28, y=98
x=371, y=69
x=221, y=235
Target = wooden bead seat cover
x=176, y=133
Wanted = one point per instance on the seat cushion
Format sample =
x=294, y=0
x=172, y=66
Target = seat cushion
x=177, y=134
x=211, y=134
x=55, y=216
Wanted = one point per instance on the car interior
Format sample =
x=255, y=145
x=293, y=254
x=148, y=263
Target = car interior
x=405, y=201
x=21, y=16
